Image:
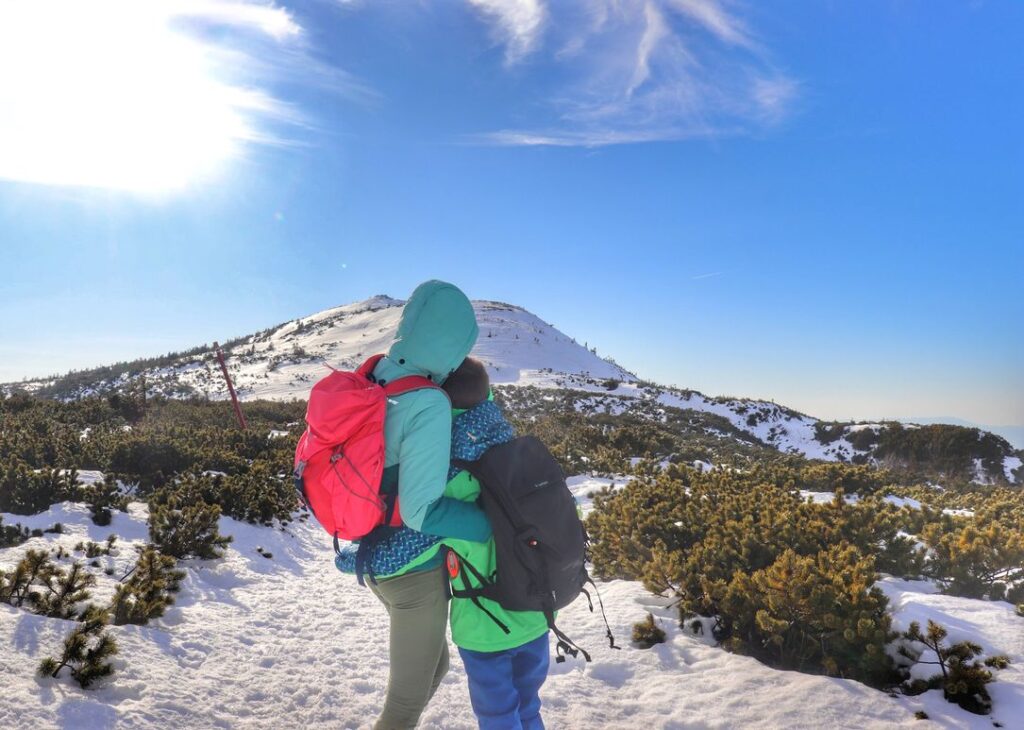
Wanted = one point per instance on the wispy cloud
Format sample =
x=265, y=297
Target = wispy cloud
x=649, y=70
x=518, y=24
x=706, y=276
x=148, y=97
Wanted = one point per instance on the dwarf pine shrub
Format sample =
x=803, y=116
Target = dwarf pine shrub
x=148, y=590
x=24, y=491
x=786, y=581
x=974, y=561
x=22, y=585
x=647, y=633
x=11, y=535
x=186, y=529
x=961, y=677
x=103, y=497
x=86, y=651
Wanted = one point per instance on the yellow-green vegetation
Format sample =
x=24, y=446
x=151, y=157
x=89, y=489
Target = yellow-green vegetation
x=86, y=651
x=961, y=677
x=647, y=633
x=148, y=445
x=791, y=581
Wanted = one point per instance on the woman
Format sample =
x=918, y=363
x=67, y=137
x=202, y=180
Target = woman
x=437, y=330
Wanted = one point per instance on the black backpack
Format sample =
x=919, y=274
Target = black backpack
x=540, y=542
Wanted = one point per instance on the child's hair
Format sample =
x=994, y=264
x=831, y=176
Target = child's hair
x=468, y=385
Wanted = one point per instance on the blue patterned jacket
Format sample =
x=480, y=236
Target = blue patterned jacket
x=473, y=432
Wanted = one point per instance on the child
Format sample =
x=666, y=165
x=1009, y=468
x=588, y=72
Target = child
x=505, y=671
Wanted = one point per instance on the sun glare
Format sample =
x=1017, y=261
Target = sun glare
x=131, y=95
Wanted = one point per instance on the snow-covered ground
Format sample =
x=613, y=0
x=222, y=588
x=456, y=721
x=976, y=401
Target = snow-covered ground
x=288, y=642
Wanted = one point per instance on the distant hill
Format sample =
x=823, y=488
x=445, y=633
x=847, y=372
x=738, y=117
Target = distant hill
x=1013, y=434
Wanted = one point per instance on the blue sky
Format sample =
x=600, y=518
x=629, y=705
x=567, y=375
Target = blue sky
x=819, y=203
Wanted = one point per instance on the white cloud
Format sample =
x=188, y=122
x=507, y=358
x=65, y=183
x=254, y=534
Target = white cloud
x=650, y=70
x=518, y=24
x=712, y=15
x=148, y=96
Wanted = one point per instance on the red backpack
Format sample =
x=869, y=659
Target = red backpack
x=340, y=458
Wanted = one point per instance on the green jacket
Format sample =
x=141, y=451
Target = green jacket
x=437, y=331
x=472, y=628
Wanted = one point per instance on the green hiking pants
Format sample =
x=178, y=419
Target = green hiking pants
x=417, y=604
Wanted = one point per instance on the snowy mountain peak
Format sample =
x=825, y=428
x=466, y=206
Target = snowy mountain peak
x=283, y=362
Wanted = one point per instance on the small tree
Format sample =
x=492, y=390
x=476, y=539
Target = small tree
x=962, y=677
x=186, y=530
x=102, y=497
x=86, y=651
x=17, y=586
x=64, y=591
x=147, y=593
x=11, y=535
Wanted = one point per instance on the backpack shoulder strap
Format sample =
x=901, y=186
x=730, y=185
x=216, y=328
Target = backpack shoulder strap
x=366, y=369
x=410, y=383
x=402, y=385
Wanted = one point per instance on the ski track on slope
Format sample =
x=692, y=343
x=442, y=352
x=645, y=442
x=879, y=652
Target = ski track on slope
x=288, y=642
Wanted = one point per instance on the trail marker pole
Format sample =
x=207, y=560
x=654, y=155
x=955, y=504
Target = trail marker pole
x=231, y=388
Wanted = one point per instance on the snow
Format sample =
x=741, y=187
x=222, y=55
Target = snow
x=1011, y=464
x=288, y=642
x=902, y=501
x=980, y=474
x=583, y=487
x=827, y=497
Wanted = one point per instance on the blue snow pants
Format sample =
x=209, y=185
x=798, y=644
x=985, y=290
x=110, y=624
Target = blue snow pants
x=504, y=686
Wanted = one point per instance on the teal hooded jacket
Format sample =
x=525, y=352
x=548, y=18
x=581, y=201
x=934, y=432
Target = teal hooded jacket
x=437, y=331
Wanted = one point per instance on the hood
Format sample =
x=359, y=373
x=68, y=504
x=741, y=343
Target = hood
x=437, y=331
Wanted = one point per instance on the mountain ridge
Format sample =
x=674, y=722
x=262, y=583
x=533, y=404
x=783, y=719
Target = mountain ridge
x=520, y=350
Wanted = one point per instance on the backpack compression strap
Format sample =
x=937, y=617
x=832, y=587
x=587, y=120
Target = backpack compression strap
x=454, y=561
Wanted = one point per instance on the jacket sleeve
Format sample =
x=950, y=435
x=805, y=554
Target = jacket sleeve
x=423, y=473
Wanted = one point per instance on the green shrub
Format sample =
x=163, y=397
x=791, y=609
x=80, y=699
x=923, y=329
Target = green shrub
x=21, y=585
x=11, y=535
x=813, y=614
x=37, y=583
x=86, y=651
x=148, y=590
x=65, y=589
x=962, y=678
x=646, y=633
x=186, y=529
x=974, y=561
x=27, y=492
x=102, y=497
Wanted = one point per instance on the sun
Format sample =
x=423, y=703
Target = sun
x=133, y=96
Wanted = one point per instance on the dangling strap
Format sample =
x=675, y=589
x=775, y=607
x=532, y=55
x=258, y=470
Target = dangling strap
x=362, y=560
x=300, y=484
x=607, y=628
x=564, y=646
